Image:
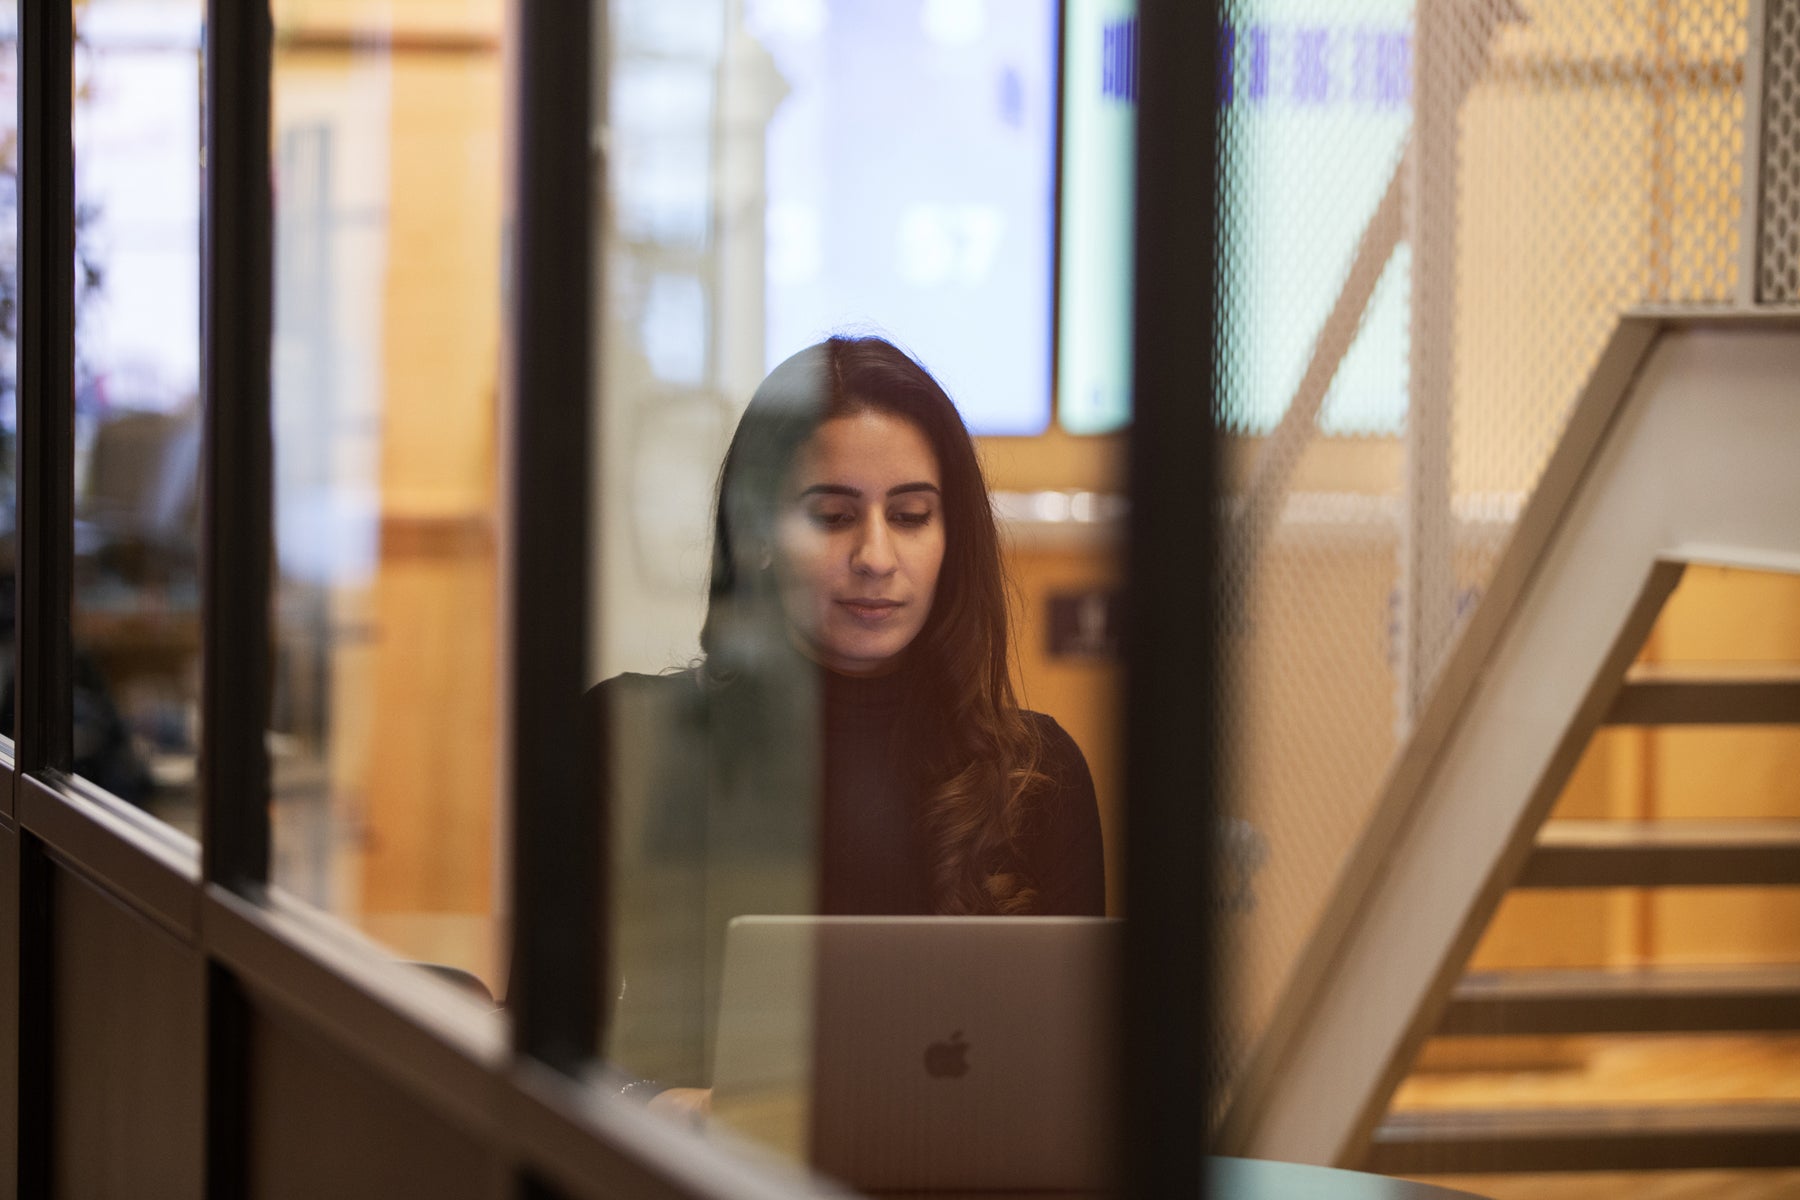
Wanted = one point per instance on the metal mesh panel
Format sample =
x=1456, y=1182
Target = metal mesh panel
x=1601, y=167
x=1778, y=255
x=1315, y=111
x=1557, y=163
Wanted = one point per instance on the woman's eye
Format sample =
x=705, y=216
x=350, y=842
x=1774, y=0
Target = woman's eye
x=832, y=518
x=912, y=520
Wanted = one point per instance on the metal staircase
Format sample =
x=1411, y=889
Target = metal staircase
x=1582, y=854
x=1642, y=1138
x=1645, y=999
x=1760, y=998
x=1681, y=451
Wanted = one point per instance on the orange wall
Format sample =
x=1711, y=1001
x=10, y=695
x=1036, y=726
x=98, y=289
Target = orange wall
x=430, y=801
x=1081, y=693
x=412, y=746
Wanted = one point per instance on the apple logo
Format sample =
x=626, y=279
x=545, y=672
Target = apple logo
x=948, y=1060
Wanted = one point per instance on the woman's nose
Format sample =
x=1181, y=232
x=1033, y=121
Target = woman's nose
x=873, y=553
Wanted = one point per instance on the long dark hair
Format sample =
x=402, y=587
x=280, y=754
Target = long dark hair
x=979, y=753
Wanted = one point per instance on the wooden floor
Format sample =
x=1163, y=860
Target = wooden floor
x=1648, y=1069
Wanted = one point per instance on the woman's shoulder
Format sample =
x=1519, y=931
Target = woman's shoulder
x=1062, y=844
x=1067, y=783
x=1054, y=744
x=631, y=693
x=634, y=683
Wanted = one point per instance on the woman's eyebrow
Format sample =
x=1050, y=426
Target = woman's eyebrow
x=838, y=489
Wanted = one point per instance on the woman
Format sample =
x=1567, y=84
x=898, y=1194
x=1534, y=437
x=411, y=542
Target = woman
x=850, y=742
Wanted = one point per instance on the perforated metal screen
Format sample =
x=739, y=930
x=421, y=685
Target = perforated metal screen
x=1778, y=256
x=1433, y=218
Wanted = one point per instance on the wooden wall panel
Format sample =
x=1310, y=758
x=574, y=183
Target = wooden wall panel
x=320, y=1125
x=429, y=798
x=128, y=1052
x=9, y=1001
x=429, y=804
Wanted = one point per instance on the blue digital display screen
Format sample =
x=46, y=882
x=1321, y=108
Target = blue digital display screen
x=910, y=176
x=1099, y=109
x=1316, y=105
x=1314, y=110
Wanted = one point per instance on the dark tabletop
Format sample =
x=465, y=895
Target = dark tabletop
x=1253, y=1179
x=1250, y=1179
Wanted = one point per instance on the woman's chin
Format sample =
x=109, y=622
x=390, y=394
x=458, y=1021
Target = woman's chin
x=849, y=649
x=864, y=656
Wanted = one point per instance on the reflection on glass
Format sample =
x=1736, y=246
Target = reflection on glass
x=137, y=422
x=850, y=745
x=858, y=885
x=387, y=151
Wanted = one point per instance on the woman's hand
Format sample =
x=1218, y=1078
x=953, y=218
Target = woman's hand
x=695, y=1104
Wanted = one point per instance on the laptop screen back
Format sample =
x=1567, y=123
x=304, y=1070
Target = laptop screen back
x=923, y=1052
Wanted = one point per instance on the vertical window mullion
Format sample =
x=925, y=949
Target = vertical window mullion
x=42, y=701
x=237, y=530
x=559, y=927
x=1172, y=697
x=236, y=303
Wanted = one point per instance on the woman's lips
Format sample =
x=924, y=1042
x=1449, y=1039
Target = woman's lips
x=870, y=611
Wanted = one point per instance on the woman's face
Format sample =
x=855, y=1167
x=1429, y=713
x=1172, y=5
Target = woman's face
x=859, y=541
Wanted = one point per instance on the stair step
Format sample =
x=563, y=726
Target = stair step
x=1663, y=1137
x=1573, y=853
x=1761, y=998
x=1755, y=693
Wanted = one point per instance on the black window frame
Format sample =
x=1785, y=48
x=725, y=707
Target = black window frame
x=532, y=1101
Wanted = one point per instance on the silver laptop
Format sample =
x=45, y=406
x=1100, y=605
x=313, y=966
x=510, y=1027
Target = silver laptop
x=923, y=1052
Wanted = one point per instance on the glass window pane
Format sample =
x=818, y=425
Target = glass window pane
x=387, y=151
x=854, y=668
x=136, y=678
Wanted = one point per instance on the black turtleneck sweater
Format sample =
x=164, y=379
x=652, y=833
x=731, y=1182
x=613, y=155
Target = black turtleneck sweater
x=712, y=797
x=662, y=737
x=873, y=854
